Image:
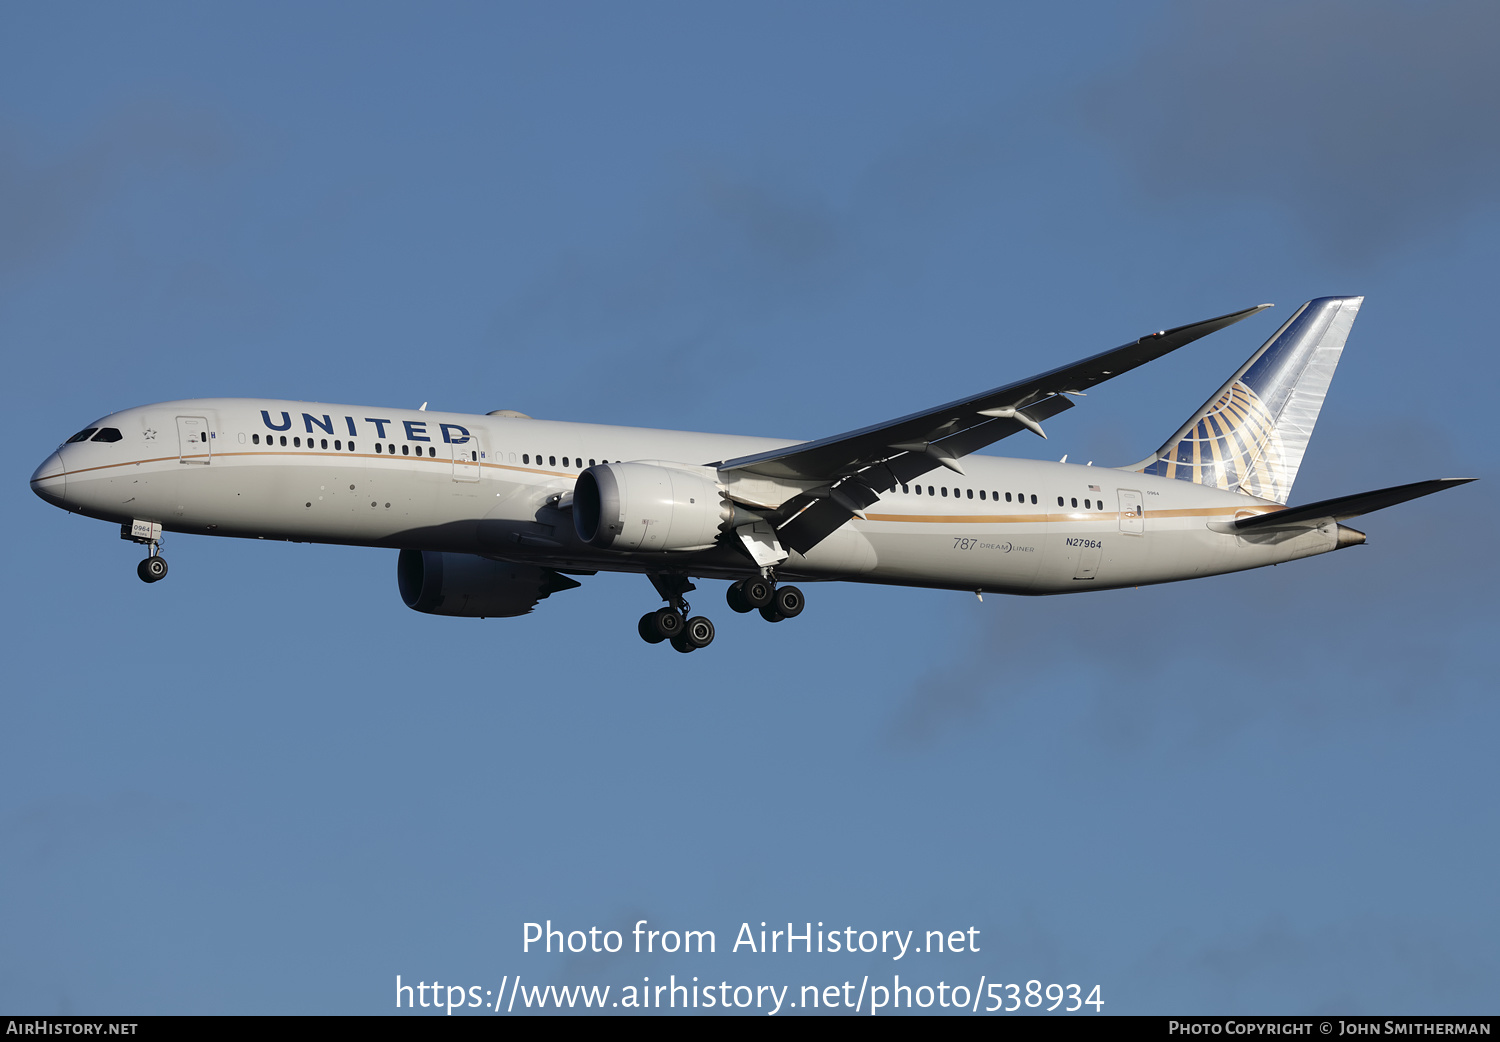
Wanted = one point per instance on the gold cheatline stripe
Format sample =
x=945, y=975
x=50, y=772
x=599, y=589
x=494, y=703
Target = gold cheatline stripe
x=982, y=519
x=1017, y=519
x=316, y=452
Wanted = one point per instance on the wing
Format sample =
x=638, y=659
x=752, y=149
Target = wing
x=855, y=468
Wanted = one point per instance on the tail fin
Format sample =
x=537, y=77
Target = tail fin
x=1250, y=437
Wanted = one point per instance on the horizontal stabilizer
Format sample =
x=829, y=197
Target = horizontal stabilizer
x=1349, y=506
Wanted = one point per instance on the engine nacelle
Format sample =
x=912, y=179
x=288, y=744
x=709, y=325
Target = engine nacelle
x=471, y=586
x=650, y=507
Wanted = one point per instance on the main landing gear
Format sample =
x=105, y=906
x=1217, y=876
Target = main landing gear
x=763, y=595
x=686, y=633
x=672, y=623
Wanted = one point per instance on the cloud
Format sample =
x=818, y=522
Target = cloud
x=47, y=196
x=1363, y=635
x=1330, y=968
x=1371, y=123
x=726, y=250
x=61, y=827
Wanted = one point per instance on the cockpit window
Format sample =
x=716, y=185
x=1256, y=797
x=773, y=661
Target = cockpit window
x=108, y=434
x=81, y=436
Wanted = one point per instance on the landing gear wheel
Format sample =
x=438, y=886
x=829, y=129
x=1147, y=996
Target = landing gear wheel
x=682, y=644
x=152, y=569
x=789, y=601
x=647, y=629
x=770, y=614
x=668, y=623
x=736, y=598
x=757, y=592
x=699, y=632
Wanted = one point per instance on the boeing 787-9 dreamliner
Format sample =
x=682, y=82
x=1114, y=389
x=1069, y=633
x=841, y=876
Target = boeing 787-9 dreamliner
x=492, y=514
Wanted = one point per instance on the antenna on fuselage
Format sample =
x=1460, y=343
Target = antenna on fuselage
x=423, y=408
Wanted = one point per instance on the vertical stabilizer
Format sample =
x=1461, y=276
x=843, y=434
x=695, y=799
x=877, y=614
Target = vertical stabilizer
x=1250, y=437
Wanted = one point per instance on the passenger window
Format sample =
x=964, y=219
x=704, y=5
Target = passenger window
x=981, y=493
x=1060, y=501
x=1075, y=502
x=945, y=491
x=338, y=446
x=1033, y=498
x=405, y=450
x=905, y=491
x=591, y=463
x=432, y=450
x=1007, y=497
x=473, y=456
x=378, y=447
x=565, y=461
x=969, y=493
x=351, y=446
x=525, y=457
x=107, y=434
x=1087, y=504
x=322, y=443
x=283, y=441
x=551, y=461
x=255, y=439
x=296, y=443
x=919, y=490
x=82, y=435
x=931, y=491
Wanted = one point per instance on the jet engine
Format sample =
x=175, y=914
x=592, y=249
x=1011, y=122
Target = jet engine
x=650, y=507
x=472, y=586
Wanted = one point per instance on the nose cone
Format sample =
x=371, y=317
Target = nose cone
x=50, y=480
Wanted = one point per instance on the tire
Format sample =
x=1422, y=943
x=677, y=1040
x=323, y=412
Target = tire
x=736, y=598
x=757, y=592
x=789, y=601
x=682, y=644
x=668, y=623
x=152, y=569
x=770, y=614
x=699, y=632
x=647, y=629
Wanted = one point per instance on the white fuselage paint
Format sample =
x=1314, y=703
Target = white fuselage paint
x=163, y=471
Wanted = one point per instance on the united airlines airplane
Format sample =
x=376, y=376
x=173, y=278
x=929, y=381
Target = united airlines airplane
x=492, y=514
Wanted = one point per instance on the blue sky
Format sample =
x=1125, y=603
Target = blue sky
x=266, y=786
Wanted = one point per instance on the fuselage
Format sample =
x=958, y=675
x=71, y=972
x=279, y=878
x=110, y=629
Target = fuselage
x=499, y=486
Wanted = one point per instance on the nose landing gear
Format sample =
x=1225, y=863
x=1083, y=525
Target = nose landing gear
x=154, y=568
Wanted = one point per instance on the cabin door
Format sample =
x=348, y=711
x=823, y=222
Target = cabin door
x=194, y=440
x=466, y=457
x=1132, y=512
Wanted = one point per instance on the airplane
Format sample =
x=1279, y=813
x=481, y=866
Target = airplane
x=493, y=514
